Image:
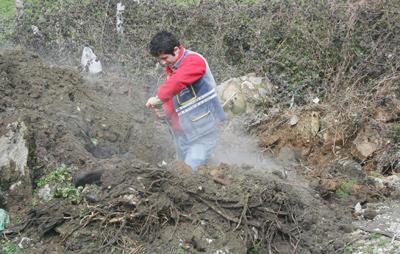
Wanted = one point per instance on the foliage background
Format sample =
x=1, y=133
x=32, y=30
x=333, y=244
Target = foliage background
x=305, y=47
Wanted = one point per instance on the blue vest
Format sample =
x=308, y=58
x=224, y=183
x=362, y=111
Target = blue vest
x=198, y=107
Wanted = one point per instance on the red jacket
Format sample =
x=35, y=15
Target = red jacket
x=190, y=70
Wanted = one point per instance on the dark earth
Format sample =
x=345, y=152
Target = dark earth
x=137, y=206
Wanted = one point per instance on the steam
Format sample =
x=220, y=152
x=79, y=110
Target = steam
x=238, y=148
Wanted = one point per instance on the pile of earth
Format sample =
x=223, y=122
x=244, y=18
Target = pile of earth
x=136, y=207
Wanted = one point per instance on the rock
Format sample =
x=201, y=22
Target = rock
x=45, y=193
x=358, y=208
x=347, y=228
x=233, y=99
x=293, y=120
x=199, y=240
x=393, y=181
x=378, y=182
x=240, y=95
x=256, y=80
x=384, y=115
x=14, y=172
x=24, y=243
x=350, y=168
x=91, y=193
x=370, y=214
x=13, y=147
x=368, y=141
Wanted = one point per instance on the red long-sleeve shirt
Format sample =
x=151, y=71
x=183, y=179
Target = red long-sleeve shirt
x=191, y=69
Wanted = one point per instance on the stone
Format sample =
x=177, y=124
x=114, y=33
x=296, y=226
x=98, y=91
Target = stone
x=91, y=193
x=368, y=141
x=293, y=120
x=14, y=172
x=384, y=115
x=256, y=80
x=370, y=214
x=13, y=147
x=233, y=99
x=351, y=168
x=45, y=193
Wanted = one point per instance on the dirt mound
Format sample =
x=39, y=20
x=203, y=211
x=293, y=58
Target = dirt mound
x=72, y=120
x=139, y=207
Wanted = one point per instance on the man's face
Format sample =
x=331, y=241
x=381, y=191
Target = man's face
x=169, y=59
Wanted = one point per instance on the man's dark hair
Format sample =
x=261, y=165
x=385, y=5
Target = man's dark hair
x=163, y=43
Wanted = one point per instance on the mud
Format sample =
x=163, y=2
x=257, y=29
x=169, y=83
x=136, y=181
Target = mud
x=101, y=125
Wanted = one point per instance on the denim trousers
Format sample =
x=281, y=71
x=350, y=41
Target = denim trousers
x=197, y=152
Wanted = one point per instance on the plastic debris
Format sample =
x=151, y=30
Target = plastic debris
x=120, y=18
x=89, y=61
x=4, y=219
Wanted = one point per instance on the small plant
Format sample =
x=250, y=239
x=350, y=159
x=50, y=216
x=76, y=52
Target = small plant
x=61, y=179
x=343, y=191
x=94, y=141
x=374, y=174
x=58, y=175
x=251, y=250
x=8, y=247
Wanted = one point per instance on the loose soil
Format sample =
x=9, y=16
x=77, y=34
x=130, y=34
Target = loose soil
x=100, y=124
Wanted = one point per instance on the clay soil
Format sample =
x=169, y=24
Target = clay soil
x=140, y=207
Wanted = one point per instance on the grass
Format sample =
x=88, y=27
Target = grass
x=343, y=191
x=374, y=173
x=7, y=19
x=8, y=247
x=189, y=3
x=61, y=181
x=7, y=8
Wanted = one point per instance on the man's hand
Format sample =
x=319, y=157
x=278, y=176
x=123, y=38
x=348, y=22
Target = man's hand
x=154, y=102
x=160, y=112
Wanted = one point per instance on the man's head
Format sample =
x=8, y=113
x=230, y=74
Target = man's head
x=165, y=46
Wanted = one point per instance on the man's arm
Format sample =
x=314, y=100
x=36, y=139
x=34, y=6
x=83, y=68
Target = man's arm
x=191, y=69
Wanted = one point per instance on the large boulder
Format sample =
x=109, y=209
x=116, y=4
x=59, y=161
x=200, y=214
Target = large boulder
x=15, y=183
x=240, y=95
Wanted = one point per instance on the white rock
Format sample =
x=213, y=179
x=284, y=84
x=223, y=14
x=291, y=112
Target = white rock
x=294, y=119
x=44, y=193
x=358, y=208
x=14, y=148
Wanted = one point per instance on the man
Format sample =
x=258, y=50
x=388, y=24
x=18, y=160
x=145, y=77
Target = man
x=188, y=99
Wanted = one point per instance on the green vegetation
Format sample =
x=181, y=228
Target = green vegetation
x=8, y=247
x=94, y=141
x=344, y=190
x=61, y=179
x=374, y=173
x=7, y=8
x=7, y=19
x=197, y=2
x=377, y=243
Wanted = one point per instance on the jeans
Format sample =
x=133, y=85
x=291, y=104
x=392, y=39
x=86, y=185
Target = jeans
x=197, y=152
